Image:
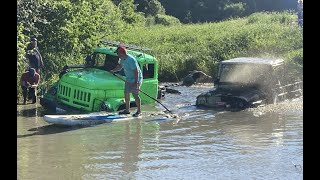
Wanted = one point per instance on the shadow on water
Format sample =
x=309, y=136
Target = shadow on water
x=50, y=129
x=32, y=110
x=35, y=110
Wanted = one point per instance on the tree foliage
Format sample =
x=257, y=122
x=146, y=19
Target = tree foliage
x=154, y=7
x=216, y=10
x=68, y=29
x=166, y=20
x=128, y=12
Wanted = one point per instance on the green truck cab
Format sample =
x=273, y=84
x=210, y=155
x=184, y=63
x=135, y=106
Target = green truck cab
x=91, y=87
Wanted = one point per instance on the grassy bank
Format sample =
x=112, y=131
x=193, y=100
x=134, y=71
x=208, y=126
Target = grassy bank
x=183, y=48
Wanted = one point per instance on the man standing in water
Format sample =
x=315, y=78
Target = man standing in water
x=133, y=78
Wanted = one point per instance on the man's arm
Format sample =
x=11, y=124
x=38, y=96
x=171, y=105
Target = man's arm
x=40, y=57
x=36, y=82
x=116, y=69
x=24, y=83
x=41, y=62
x=136, y=78
x=136, y=75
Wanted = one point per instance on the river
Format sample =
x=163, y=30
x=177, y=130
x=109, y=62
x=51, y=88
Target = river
x=260, y=143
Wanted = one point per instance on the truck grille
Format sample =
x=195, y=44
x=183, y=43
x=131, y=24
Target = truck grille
x=81, y=95
x=74, y=96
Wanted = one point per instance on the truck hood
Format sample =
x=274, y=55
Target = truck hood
x=91, y=78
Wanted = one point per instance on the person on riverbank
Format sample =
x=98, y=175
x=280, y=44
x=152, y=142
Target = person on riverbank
x=300, y=13
x=29, y=82
x=33, y=55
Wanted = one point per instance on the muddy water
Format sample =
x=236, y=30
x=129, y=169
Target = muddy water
x=261, y=143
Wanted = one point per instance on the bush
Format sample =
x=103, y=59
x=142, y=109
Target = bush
x=150, y=21
x=68, y=30
x=21, y=60
x=286, y=17
x=166, y=20
x=235, y=10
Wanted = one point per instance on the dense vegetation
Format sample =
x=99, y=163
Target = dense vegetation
x=216, y=10
x=67, y=30
x=183, y=48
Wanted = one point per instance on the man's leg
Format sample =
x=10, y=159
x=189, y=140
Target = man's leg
x=135, y=93
x=138, y=101
x=24, y=94
x=33, y=94
x=127, y=99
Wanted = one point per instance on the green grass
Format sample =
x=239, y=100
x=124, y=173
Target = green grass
x=183, y=48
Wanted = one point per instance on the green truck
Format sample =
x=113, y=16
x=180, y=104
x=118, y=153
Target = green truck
x=90, y=87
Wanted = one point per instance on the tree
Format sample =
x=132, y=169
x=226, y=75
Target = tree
x=217, y=10
x=141, y=5
x=154, y=7
x=128, y=9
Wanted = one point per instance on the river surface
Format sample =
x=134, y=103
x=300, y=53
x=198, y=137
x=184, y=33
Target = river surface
x=260, y=143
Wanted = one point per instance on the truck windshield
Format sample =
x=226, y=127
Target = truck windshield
x=104, y=61
x=243, y=73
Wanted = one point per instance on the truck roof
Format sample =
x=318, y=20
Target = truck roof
x=254, y=60
x=138, y=55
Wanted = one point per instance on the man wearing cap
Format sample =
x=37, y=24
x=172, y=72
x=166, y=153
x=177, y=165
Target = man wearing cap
x=34, y=56
x=133, y=78
x=29, y=82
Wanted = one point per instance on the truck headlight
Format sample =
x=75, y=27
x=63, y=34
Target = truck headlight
x=104, y=106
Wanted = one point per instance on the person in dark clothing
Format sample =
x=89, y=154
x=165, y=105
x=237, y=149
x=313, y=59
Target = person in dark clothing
x=300, y=13
x=300, y=18
x=29, y=82
x=34, y=56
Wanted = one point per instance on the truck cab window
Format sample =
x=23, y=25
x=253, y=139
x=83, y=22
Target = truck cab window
x=148, y=71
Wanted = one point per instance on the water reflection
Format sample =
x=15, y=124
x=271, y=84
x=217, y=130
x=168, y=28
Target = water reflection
x=132, y=147
x=121, y=151
x=49, y=129
x=32, y=110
